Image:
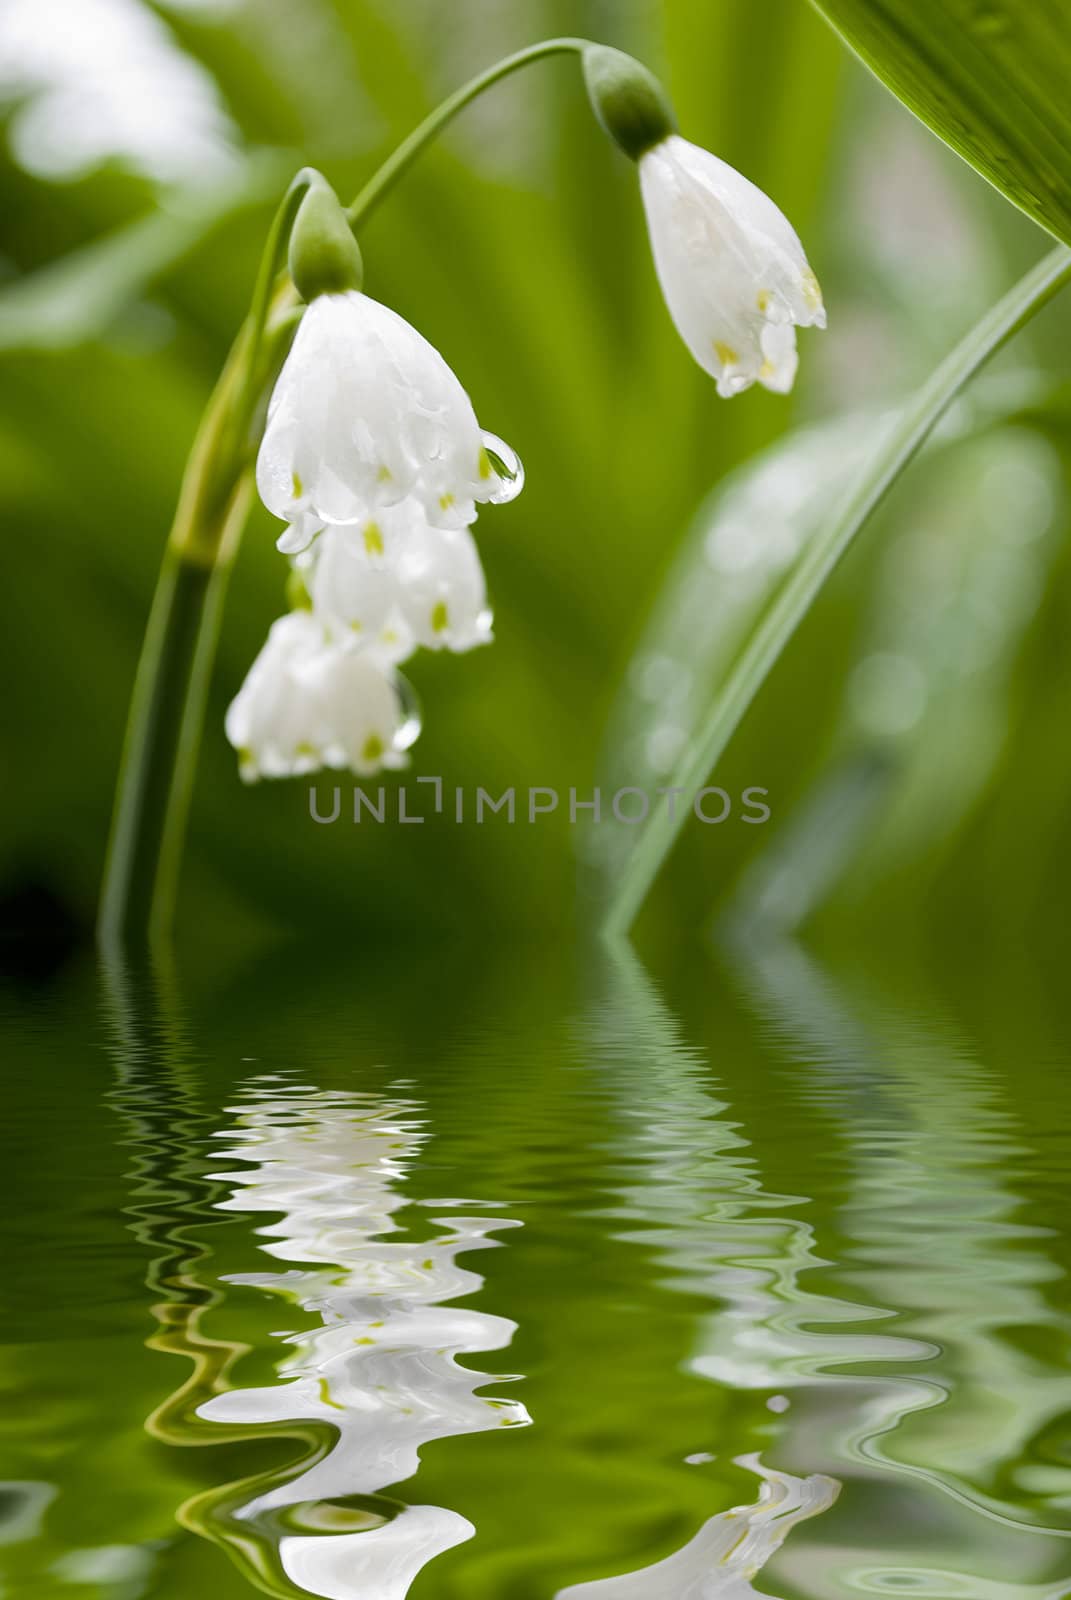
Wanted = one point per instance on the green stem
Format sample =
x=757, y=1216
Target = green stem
x=398, y=164
x=167, y=711
x=264, y=291
x=163, y=733
x=171, y=685
x=145, y=774
x=191, y=728
x=756, y=660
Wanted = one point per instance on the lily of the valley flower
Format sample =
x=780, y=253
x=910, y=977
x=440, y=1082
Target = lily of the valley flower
x=366, y=414
x=373, y=457
x=310, y=702
x=396, y=582
x=732, y=269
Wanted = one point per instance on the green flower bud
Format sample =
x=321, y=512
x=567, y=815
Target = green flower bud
x=628, y=101
x=324, y=256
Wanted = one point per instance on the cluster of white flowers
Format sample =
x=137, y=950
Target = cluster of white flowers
x=373, y=457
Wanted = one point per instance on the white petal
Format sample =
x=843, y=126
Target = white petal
x=443, y=593
x=397, y=581
x=299, y=534
x=309, y=702
x=354, y=585
x=265, y=719
x=731, y=267
x=779, y=358
x=365, y=414
x=363, y=717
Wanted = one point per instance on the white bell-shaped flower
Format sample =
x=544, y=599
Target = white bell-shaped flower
x=443, y=592
x=733, y=272
x=351, y=578
x=365, y=414
x=310, y=702
x=396, y=582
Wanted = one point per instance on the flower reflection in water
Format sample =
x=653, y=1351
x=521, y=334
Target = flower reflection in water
x=900, y=1338
x=689, y=1191
x=728, y=1551
x=378, y=1377
x=960, y=1416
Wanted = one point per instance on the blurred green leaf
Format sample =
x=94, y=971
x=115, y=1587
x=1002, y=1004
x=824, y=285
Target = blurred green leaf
x=989, y=77
x=925, y=708
x=785, y=560
x=76, y=298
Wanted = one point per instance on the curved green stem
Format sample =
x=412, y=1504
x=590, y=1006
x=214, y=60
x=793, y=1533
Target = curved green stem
x=167, y=711
x=397, y=164
x=759, y=655
x=271, y=264
x=163, y=735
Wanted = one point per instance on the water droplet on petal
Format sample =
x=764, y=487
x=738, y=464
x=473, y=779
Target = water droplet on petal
x=507, y=472
x=408, y=731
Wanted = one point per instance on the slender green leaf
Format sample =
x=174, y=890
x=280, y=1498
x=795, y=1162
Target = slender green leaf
x=990, y=77
x=897, y=441
x=925, y=711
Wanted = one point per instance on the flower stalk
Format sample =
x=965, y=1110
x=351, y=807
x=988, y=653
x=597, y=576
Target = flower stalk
x=368, y=427
x=171, y=685
x=170, y=688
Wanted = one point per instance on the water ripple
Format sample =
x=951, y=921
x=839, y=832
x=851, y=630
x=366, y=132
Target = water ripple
x=380, y=1370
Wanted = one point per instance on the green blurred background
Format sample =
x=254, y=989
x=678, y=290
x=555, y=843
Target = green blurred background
x=913, y=740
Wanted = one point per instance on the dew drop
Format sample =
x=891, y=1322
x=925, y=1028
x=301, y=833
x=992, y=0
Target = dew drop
x=408, y=731
x=507, y=471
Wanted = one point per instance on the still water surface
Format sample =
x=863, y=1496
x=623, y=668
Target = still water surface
x=532, y=1278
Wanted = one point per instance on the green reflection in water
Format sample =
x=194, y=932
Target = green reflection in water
x=778, y=1234
x=966, y=1398
x=156, y=1097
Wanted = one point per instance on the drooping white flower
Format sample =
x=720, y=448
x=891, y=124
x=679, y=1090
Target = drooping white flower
x=365, y=414
x=396, y=582
x=444, y=597
x=310, y=702
x=732, y=269
x=352, y=586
